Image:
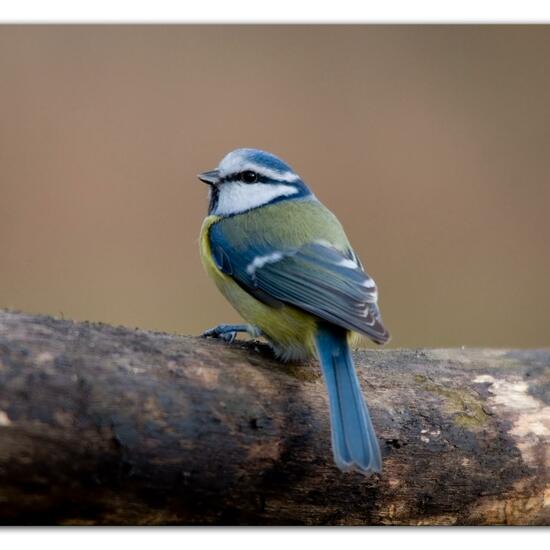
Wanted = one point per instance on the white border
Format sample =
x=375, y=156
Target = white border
x=280, y=11
x=409, y=538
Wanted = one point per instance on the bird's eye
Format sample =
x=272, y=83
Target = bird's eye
x=249, y=176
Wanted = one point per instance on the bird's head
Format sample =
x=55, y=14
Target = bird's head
x=250, y=178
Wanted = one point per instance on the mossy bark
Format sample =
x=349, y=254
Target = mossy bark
x=107, y=425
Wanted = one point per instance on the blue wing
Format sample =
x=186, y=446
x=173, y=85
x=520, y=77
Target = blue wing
x=315, y=277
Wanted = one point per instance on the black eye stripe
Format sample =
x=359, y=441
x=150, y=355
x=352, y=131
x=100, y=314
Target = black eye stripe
x=249, y=176
x=260, y=178
x=239, y=176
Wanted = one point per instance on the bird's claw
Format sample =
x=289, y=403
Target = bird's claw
x=228, y=333
x=229, y=337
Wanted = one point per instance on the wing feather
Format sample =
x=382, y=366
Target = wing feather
x=315, y=277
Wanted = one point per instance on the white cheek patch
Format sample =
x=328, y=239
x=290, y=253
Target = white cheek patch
x=236, y=197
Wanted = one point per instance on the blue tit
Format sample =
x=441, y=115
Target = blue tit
x=283, y=261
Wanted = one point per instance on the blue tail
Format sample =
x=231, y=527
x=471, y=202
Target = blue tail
x=354, y=443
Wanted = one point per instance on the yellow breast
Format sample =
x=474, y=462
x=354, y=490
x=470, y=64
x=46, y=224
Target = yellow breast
x=290, y=330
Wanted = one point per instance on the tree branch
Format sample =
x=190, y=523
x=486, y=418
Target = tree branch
x=107, y=425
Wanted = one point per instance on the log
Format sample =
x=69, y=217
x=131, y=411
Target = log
x=113, y=426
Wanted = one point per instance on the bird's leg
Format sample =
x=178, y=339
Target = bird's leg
x=228, y=333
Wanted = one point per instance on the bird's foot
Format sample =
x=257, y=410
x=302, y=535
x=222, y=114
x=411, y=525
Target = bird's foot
x=228, y=333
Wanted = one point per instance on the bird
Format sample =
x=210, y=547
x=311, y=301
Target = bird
x=284, y=262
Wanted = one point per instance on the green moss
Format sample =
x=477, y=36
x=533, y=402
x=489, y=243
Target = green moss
x=466, y=409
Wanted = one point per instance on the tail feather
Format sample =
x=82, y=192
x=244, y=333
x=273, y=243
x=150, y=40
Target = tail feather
x=354, y=442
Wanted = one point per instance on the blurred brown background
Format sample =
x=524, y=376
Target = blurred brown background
x=432, y=145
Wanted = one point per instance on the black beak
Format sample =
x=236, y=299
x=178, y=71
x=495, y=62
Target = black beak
x=212, y=177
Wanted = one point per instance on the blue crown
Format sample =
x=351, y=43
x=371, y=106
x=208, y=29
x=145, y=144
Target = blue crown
x=263, y=158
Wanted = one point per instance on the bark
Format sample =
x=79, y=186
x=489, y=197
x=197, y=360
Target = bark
x=108, y=425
